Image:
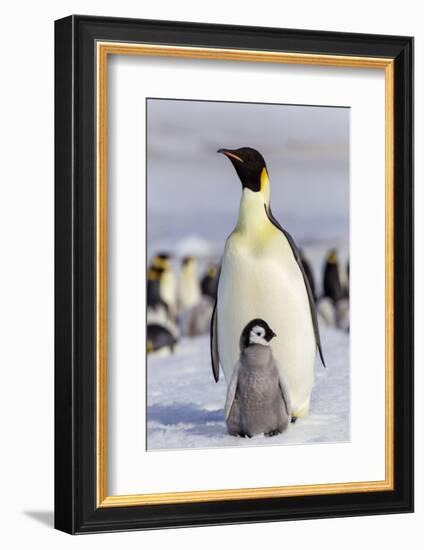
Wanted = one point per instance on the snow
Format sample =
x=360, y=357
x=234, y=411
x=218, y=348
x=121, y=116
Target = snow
x=186, y=406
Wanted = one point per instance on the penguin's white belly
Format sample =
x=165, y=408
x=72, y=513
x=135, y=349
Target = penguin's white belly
x=266, y=283
x=168, y=290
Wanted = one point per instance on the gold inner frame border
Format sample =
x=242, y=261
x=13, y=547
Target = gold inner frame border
x=103, y=50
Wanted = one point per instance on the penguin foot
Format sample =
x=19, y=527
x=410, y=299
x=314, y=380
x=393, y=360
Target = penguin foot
x=293, y=419
x=272, y=433
x=245, y=434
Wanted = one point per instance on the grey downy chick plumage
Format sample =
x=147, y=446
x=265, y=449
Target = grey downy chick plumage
x=257, y=397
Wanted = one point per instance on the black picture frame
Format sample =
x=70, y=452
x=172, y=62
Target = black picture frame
x=76, y=508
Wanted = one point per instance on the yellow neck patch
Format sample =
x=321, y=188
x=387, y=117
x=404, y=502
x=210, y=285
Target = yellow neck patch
x=163, y=263
x=265, y=186
x=264, y=178
x=332, y=259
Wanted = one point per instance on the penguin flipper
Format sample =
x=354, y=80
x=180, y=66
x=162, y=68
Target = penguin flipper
x=286, y=396
x=231, y=391
x=214, y=344
x=305, y=279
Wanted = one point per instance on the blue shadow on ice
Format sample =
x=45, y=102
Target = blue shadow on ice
x=183, y=413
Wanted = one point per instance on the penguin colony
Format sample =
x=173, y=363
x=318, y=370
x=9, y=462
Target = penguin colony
x=178, y=304
x=264, y=284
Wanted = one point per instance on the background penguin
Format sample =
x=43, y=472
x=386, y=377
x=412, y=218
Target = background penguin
x=195, y=309
x=308, y=272
x=347, y=279
x=332, y=285
x=262, y=277
x=168, y=284
x=189, y=292
x=209, y=284
x=257, y=398
x=326, y=312
x=157, y=309
x=159, y=338
x=343, y=314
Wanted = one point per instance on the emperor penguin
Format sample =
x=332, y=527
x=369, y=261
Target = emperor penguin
x=168, y=283
x=262, y=277
x=258, y=400
x=159, y=338
x=189, y=292
x=209, y=283
x=333, y=277
x=158, y=312
x=157, y=308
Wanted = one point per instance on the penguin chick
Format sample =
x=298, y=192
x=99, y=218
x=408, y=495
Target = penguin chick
x=257, y=398
x=209, y=282
x=197, y=319
x=342, y=314
x=189, y=287
x=326, y=312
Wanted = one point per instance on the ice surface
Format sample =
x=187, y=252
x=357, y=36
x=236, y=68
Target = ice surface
x=186, y=406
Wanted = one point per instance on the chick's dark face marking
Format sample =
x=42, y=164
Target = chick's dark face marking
x=256, y=331
x=249, y=165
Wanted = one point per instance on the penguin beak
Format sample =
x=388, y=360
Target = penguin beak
x=230, y=154
x=273, y=335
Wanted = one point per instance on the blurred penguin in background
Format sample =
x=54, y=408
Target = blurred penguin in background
x=333, y=306
x=159, y=339
x=189, y=292
x=161, y=328
x=347, y=278
x=332, y=284
x=343, y=315
x=195, y=310
x=157, y=308
x=326, y=312
x=168, y=283
x=308, y=272
x=209, y=282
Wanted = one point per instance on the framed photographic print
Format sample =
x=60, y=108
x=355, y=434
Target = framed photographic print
x=233, y=266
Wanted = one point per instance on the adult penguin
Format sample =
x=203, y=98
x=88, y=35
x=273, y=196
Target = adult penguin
x=262, y=277
x=209, y=284
x=189, y=291
x=157, y=308
x=168, y=281
x=332, y=280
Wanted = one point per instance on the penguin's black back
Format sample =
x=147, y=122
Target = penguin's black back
x=153, y=294
x=308, y=272
x=209, y=286
x=332, y=285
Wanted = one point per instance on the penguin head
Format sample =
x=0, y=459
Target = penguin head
x=154, y=273
x=162, y=261
x=332, y=257
x=212, y=271
x=256, y=331
x=250, y=167
x=189, y=265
